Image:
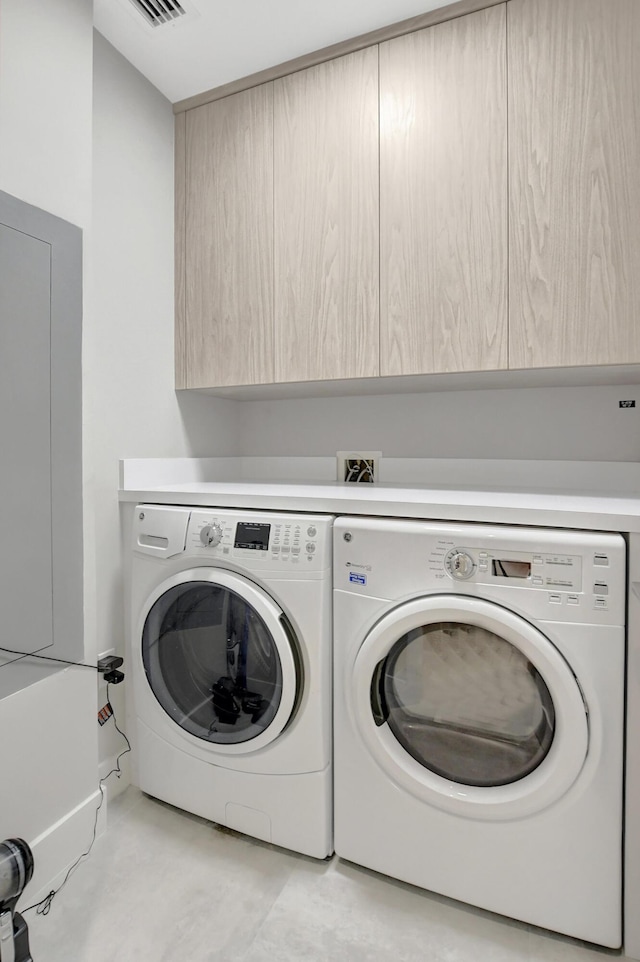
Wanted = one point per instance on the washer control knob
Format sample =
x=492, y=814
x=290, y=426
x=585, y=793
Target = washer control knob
x=460, y=565
x=211, y=534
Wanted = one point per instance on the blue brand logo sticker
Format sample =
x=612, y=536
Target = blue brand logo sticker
x=357, y=579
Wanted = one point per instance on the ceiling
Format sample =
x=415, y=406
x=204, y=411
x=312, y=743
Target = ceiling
x=221, y=40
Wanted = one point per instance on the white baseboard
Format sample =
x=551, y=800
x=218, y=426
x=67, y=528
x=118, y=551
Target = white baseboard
x=115, y=786
x=57, y=848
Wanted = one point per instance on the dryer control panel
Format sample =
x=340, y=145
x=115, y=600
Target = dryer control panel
x=544, y=573
x=545, y=570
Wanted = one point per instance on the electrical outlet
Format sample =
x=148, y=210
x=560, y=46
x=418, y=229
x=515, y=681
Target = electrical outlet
x=359, y=466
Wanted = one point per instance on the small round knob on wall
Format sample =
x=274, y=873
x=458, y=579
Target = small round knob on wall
x=211, y=535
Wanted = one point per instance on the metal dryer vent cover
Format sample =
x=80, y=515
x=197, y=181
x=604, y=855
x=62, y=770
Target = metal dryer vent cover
x=158, y=12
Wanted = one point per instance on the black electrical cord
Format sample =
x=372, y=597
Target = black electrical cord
x=108, y=666
x=43, y=907
x=33, y=654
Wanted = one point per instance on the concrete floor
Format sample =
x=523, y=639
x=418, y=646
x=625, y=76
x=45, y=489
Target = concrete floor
x=164, y=886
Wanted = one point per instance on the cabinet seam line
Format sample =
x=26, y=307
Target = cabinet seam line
x=274, y=353
x=508, y=176
x=379, y=224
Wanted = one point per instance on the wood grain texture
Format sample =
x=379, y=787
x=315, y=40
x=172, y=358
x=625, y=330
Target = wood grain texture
x=229, y=241
x=369, y=39
x=574, y=140
x=179, y=240
x=443, y=198
x=326, y=220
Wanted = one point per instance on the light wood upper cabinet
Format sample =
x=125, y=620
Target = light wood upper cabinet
x=377, y=214
x=224, y=331
x=574, y=147
x=326, y=220
x=443, y=197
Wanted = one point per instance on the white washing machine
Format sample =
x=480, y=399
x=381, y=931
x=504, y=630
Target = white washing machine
x=479, y=703
x=230, y=652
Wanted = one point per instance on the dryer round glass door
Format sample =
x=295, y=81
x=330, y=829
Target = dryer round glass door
x=465, y=703
x=469, y=706
x=221, y=659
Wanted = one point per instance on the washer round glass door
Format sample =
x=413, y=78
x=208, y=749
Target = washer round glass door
x=221, y=659
x=470, y=707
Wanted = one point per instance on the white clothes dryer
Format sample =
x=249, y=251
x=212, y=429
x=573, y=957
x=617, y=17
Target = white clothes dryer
x=230, y=652
x=479, y=710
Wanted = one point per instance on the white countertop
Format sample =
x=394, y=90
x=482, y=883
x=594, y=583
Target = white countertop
x=602, y=511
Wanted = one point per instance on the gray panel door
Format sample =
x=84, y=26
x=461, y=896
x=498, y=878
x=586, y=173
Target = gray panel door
x=26, y=580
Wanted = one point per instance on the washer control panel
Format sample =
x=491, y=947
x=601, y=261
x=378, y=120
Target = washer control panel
x=261, y=540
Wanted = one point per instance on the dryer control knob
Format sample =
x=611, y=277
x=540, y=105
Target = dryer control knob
x=211, y=535
x=460, y=565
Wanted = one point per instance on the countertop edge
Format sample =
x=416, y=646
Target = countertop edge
x=558, y=509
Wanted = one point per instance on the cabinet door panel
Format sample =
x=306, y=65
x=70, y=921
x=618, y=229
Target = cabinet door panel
x=227, y=336
x=326, y=220
x=41, y=602
x=574, y=147
x=443, y=197
x=26, y=585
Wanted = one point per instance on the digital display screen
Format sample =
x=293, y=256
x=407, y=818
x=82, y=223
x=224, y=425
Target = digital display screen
x=253, y=536
x=510, y=569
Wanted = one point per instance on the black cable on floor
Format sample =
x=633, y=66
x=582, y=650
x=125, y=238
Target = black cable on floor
x=43, y=907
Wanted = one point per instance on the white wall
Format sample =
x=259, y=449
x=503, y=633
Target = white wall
x=131, y=409
x=46, y=56
x=569, y=423
x=45, y=105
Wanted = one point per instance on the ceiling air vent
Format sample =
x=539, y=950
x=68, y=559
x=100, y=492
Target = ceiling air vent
x=157, y=12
